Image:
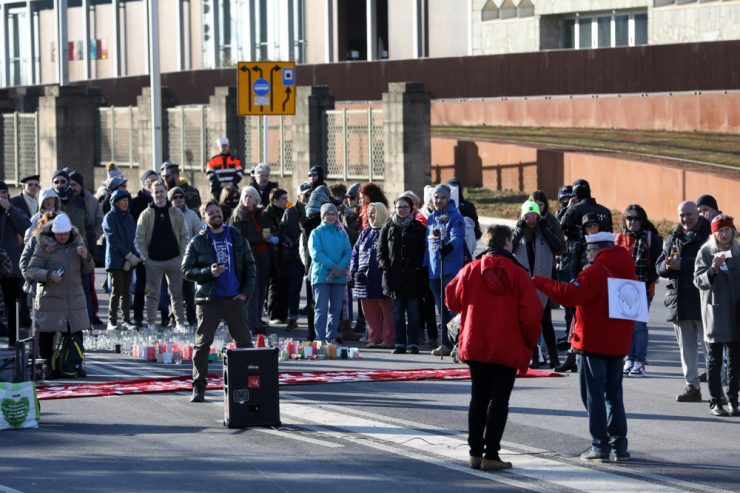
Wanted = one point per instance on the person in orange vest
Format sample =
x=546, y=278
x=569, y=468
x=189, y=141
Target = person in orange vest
x=223, y=169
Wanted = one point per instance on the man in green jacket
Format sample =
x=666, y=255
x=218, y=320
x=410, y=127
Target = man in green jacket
x=220, y=262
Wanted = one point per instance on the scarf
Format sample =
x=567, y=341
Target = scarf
x=401, y=223
x=640, y=252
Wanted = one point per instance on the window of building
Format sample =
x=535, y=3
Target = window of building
x=508, y=9
x=604, y=31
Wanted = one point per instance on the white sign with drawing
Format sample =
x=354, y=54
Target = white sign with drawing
x=627, y=299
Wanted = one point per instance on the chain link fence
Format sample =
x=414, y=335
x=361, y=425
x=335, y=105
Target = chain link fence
x=118, y=136
x=20, y=148
x=280, y=134
x=355, y=146
x=187, y=137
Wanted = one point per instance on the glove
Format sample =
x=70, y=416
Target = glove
x=274, y=240
x=126, y=265
x=521, y=223
x=132, y=259
x=337, y=271
x=446, y=249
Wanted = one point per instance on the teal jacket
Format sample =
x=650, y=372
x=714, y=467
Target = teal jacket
x=200, y=255
x=329, y=246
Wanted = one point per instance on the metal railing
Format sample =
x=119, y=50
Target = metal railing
x=187, y=136
x=355, y=146
x=119, y=137
x=280, y=134
x=20, y=148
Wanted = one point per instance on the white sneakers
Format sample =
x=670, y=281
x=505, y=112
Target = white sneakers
x=633, y=368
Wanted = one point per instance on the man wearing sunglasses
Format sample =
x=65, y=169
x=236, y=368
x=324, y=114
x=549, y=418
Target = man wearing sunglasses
x=27, y=200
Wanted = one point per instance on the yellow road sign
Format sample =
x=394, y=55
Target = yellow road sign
x=265, y=88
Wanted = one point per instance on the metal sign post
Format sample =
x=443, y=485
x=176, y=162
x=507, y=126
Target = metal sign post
x=264, y=138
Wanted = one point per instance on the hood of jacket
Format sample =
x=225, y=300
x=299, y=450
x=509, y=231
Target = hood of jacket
x=617, y=261
x=498, y=272
x=47, y=243
x=118, y=195
x=48, y=193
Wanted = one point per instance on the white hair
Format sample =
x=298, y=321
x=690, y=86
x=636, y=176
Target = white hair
x=262, y=168
x=252, y=192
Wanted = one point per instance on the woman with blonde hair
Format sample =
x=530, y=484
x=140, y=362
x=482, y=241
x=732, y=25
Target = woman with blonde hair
x=368, y=276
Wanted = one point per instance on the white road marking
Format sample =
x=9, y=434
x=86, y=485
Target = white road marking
x=300, y=438
x=429, y=441
x=6, y=489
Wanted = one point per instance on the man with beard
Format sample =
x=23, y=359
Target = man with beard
x=171, y=176
x=221, y=264
x=137, y=205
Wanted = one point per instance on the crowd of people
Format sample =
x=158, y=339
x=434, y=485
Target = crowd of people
x=390, y=273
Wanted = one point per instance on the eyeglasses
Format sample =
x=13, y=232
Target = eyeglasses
x=402, y=207
x=631, y=218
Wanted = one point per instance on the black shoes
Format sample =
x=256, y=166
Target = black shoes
x=568, y=365
x=199, y=395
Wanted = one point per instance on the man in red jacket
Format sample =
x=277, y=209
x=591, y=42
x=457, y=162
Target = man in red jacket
x=494, y=350
x=600, y=343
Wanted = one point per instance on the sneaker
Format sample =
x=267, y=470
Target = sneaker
x=475, y=462
x=111, y=326
x=384, y=345
x=703, y=377
x=734, y=410
x=494, y=465
x=628, y=364
x=592, y=455
x=716, y=409
x=371, y=344
x=96, y=320
x=690, y=394
x=181, y=329
x=620, y=456
x=414, y=350
x=638, y=370
x=442, y=351
x=399, y=350
x=292, y=325
x=199, y=395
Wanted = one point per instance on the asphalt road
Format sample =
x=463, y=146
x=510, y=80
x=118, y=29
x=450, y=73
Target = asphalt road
x=370, y=436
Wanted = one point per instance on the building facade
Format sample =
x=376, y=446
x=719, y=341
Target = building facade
x=109, y=38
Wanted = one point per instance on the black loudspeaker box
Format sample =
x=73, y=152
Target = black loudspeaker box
x=251, y=396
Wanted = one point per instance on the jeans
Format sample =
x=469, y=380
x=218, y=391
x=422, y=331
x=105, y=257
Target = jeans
x=639, y=345
x=601, y=392
x=446, y=314
x=714, y=367
x=490, y=390
x=407, y=322
x=328, y=299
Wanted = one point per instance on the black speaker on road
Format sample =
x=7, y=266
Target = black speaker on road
x=251, y=395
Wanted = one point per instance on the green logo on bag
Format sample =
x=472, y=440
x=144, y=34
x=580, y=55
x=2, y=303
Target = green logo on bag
x=16, y=412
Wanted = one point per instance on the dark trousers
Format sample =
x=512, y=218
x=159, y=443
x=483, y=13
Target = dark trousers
x=188, y=294
x=12, y=290
x=139, y=293
x=490, y=390
x=209, y=316
x=295, y=280
x=406, y=322
x=46, y=344
x=85, y=280
x=277, y=296
x=714, y=369
x=120, y=284
x=446, y=314
x=429, y=315
x=310, y=311
x=257, y=300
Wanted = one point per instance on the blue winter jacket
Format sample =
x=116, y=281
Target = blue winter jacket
x=364, y=266
x=119, y=229
x=454, y=235
x=328, y=246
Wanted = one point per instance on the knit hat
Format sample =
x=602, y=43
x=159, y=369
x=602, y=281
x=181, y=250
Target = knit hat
x=442, y=189
x=327, y=208
x=404, y=198
x=303, y=188
x=60, y=172
x=530, y=207
x=61, y=224
x=600, y=237
x=146, y=174
x=353, y=191
x=114, y=183
x=173, y=191
x=77, y=177
x=223, y=141
x=707, y=201
x=722, y=221
x=168, y=165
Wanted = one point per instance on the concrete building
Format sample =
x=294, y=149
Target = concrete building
x=108, y=38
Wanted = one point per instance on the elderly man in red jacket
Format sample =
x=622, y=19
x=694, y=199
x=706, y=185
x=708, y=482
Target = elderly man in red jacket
x=494, y=347
x=600, y=343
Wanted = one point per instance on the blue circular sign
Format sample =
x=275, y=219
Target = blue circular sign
x=261, y=87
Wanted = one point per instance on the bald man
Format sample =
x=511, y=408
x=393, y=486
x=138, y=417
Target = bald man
x=676, y=264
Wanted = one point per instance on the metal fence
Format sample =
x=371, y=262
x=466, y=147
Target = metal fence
x=119, y=137
x=355, y=145
x=187, y=136
x=280, y=134
x=20, y=148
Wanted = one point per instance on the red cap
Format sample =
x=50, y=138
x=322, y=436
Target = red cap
x=722, y=221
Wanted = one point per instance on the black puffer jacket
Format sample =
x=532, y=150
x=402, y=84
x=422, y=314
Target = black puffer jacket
x=682, y=297
x=401, y=258
x=571, y=221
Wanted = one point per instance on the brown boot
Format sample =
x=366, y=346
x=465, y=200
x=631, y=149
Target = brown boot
x=345, y=331
x=494, y=465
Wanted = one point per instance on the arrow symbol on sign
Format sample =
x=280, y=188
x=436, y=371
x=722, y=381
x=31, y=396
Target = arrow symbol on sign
x=272, y=93
x=257, y=68
x=243, y=68
x=287, y=97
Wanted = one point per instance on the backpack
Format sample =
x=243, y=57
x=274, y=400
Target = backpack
x=68, y=357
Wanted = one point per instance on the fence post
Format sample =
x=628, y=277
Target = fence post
x=130, y=136
x=345, y=142
x=370, y=143
x=17, y=144
x=281, y=154
x=203, y=138
x=112, y=122
x=36, y=140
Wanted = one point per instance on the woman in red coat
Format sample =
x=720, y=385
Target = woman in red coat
x=494, y=351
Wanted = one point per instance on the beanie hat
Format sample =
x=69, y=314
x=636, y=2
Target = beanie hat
x=328, y=207
x=168, y=165
x=173, y=191
x=61, y=224
x=146, y=174
x=223, y=141
x=405, y=198
x=353, y=191
x=442, y=189
x=707, y=201
x=77, y=177
x=530, y=207
x=303, y=188
x=112, y=184
x=60, y=172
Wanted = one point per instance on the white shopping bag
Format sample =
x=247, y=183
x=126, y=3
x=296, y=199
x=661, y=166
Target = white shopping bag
x=19, y=407
x=627, y=299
